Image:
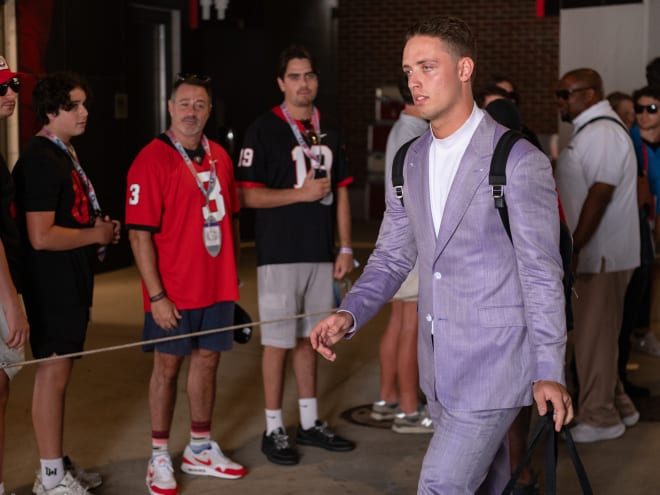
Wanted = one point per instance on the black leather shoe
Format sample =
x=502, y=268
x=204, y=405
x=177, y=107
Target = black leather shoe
x=277, y=449
x=320, y=435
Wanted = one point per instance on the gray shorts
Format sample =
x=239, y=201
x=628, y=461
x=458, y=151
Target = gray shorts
x=290, y=289
x=7, y=355
x=410, y=287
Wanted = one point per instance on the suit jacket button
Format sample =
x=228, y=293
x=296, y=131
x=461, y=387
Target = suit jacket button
x=437, y=275
x=429, y=318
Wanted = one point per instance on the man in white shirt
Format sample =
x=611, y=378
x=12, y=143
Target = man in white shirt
x=597, y=180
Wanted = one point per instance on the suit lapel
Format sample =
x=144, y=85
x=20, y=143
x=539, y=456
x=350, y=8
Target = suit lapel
x=472, y=171
x=417, y=170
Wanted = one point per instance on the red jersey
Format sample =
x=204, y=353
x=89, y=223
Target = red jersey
x=163, y=197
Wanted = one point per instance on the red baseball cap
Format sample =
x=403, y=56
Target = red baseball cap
x=5, y=72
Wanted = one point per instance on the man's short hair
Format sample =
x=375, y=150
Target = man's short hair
x=291, y=52
x=648, y=91
x=616, y=97
x=589, y=77
x=53, y=92
x=404, y=90
x=490, y=90
x=192, y=80
x=453, y=31
x=653, y=72
x=496, y=79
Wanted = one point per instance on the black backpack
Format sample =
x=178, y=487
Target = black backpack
x=497, y=180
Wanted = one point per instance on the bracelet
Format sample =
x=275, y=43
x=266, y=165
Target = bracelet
x=157, y=297
x=345, y=250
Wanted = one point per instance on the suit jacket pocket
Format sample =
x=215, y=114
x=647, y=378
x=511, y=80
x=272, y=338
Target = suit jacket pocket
x=502, y=316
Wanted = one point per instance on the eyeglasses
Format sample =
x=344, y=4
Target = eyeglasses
x=564, y=94
x=14, y=83
x=182, y=77
x=650, y=109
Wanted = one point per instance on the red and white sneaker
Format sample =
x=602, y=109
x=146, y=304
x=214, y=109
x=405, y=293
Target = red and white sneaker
x=160, y=476
x=211, y=462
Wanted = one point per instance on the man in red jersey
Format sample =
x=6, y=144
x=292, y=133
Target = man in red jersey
x=181, y=212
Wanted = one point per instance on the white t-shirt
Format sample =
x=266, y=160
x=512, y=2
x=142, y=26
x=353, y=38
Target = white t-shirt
x=444, y=157
x=602, y=152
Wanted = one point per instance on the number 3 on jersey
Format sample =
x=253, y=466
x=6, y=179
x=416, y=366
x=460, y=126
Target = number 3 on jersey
x=298, y=156
x=134, y=197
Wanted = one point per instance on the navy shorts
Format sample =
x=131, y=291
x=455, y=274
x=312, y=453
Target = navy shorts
x=219, y=315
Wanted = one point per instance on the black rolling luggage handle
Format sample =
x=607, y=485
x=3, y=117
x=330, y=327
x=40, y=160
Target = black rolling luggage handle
x=546, y=425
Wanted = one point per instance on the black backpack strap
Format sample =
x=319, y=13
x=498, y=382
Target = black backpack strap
x=603, y=117
x=497, y=175
x=397, y=169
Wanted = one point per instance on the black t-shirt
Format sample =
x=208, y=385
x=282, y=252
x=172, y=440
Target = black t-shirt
x=271, y=157
x=8, y=229
x=46, y=180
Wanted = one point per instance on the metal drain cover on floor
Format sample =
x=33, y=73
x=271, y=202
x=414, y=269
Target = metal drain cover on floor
x=359, y=415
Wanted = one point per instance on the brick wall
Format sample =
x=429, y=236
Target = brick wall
x=511, y=41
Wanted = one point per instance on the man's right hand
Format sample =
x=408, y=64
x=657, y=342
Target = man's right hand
x=165, y=314
x=314, y=189
x=329, y=331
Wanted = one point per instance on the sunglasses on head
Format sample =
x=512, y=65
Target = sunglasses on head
x=650, y=109
x=14, y=83
x=564, y=94
x=189, y=77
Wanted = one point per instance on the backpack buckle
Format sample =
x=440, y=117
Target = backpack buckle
x=398, y=192
x=498, y=195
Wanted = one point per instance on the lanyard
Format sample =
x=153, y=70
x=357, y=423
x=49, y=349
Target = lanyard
x=69, y=150
x=316, y=163
x=206, y=192
x=91, y=194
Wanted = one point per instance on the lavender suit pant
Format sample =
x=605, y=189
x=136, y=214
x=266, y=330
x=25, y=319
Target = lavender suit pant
x=468, y=453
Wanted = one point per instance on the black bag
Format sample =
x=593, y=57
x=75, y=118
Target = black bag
x=546, y=425
x=497, y=180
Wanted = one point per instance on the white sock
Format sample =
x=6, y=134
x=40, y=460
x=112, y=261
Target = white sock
x=273, y=420
x=52, y=472
x=308, y=412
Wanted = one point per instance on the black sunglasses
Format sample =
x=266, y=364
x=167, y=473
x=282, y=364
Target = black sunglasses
x=14, y=83
x=650, y=109
x=564, y=94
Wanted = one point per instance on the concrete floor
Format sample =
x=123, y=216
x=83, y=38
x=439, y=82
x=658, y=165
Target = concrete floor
x=107, y=425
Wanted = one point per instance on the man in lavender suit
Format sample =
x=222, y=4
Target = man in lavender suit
x=492, y=329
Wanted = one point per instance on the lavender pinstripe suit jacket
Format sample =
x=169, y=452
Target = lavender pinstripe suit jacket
x=491, y=315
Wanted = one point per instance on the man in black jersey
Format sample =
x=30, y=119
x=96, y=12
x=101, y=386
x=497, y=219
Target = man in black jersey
x=295, y=175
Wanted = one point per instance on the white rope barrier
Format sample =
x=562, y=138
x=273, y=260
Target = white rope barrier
x=160, y=340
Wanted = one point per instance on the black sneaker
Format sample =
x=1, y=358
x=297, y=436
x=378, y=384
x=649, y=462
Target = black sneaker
x=320, y=435
x=277, y=449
